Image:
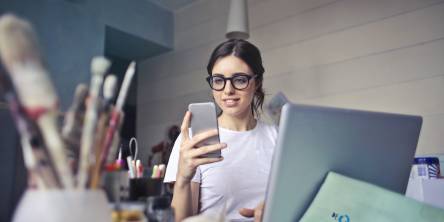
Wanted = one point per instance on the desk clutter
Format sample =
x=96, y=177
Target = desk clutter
x=69, y=165
x=426, y=183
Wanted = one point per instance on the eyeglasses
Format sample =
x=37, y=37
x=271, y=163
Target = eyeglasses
x=238, y=81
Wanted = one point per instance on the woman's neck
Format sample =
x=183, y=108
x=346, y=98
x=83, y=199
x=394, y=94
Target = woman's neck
x=237, y=123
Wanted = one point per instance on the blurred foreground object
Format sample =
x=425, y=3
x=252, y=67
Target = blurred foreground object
x=63, y=205
x=22, y=59
x=346, y=199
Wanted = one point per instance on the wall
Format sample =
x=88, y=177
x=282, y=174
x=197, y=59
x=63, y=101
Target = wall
x=383, y=55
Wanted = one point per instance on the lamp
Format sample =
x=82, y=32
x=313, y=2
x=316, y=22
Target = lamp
x=237, y=27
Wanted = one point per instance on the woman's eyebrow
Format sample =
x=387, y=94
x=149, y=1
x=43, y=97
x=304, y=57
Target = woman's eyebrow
x=236, y=73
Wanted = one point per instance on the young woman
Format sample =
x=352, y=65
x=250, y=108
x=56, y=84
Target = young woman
x=236, y=182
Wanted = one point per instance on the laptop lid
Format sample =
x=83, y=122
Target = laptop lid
x=374, y=147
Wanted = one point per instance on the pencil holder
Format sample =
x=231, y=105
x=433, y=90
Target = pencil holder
x=62, y=205
x=140, y=188
x=116, y=185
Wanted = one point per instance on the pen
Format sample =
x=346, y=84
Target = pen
x=130, y=167
x=161, y=170
x=154, y=173
x=139, y=168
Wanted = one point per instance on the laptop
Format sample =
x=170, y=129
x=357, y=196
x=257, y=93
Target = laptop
x=370, y=146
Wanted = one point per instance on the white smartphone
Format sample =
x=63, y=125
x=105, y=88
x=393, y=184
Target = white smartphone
x=203, y=118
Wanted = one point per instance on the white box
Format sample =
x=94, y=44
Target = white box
x=430, y=191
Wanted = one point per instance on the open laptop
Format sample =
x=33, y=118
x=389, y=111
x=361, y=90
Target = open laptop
x=374, y=147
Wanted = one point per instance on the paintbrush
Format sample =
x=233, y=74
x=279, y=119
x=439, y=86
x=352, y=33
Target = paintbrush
x=99, y=66
x=21, y=57
x=23, y=130
x=73, y=122
x=35, y=157
x=111, y=139
x=109, y=92
x=117, y=116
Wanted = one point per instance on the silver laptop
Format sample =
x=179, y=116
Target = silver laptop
x=374, y=147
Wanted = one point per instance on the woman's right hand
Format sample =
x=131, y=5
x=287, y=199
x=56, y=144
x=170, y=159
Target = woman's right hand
x=189, y=157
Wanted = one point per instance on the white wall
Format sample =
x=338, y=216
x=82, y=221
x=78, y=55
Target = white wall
x=383, y=55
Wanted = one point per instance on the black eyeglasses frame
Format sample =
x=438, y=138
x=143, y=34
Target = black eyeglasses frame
x=249, y=77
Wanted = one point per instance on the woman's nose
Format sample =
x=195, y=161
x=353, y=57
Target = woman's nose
x=229, y=89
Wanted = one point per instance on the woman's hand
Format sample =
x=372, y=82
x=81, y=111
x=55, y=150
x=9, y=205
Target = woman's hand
x=189, y=157
x=256, y=212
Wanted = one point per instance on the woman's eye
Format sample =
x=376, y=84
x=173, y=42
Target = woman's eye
x=218, y=81
x=240, y=80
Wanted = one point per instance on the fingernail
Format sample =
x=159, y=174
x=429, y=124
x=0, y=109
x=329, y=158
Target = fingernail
x=224, y=145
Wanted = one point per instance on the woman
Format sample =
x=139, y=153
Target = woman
x=235, y=182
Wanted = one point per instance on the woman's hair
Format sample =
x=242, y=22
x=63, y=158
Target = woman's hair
x=251, y=55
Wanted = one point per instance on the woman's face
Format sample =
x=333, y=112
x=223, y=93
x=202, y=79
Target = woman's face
x=233, y=102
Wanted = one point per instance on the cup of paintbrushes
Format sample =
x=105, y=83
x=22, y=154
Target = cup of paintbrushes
x=63, y=205
x=116, y=185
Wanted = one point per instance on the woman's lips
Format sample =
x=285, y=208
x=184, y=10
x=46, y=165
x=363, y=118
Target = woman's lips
x=230, y=102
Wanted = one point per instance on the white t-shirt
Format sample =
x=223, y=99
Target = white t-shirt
x=241, y=178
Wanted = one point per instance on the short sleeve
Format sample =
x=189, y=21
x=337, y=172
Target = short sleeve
x=173, y=164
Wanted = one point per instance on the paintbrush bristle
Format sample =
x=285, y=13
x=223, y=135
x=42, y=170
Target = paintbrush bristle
x=21, y=57
x=109, y=87
x=17, y=41
x=100, y=65
x=81, y=92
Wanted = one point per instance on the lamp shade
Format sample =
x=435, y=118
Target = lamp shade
x=237, y=26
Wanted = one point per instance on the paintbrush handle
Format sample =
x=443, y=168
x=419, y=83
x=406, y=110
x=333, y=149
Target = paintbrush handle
x=40, y=168
x=55, y=145
x=113, y=148
x=99, y=66
x=109, y=137
x=125, y=86
x=107, y=143
x=100, y=138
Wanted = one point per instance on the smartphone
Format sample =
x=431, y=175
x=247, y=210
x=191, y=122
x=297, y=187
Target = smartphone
x=203, y=118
